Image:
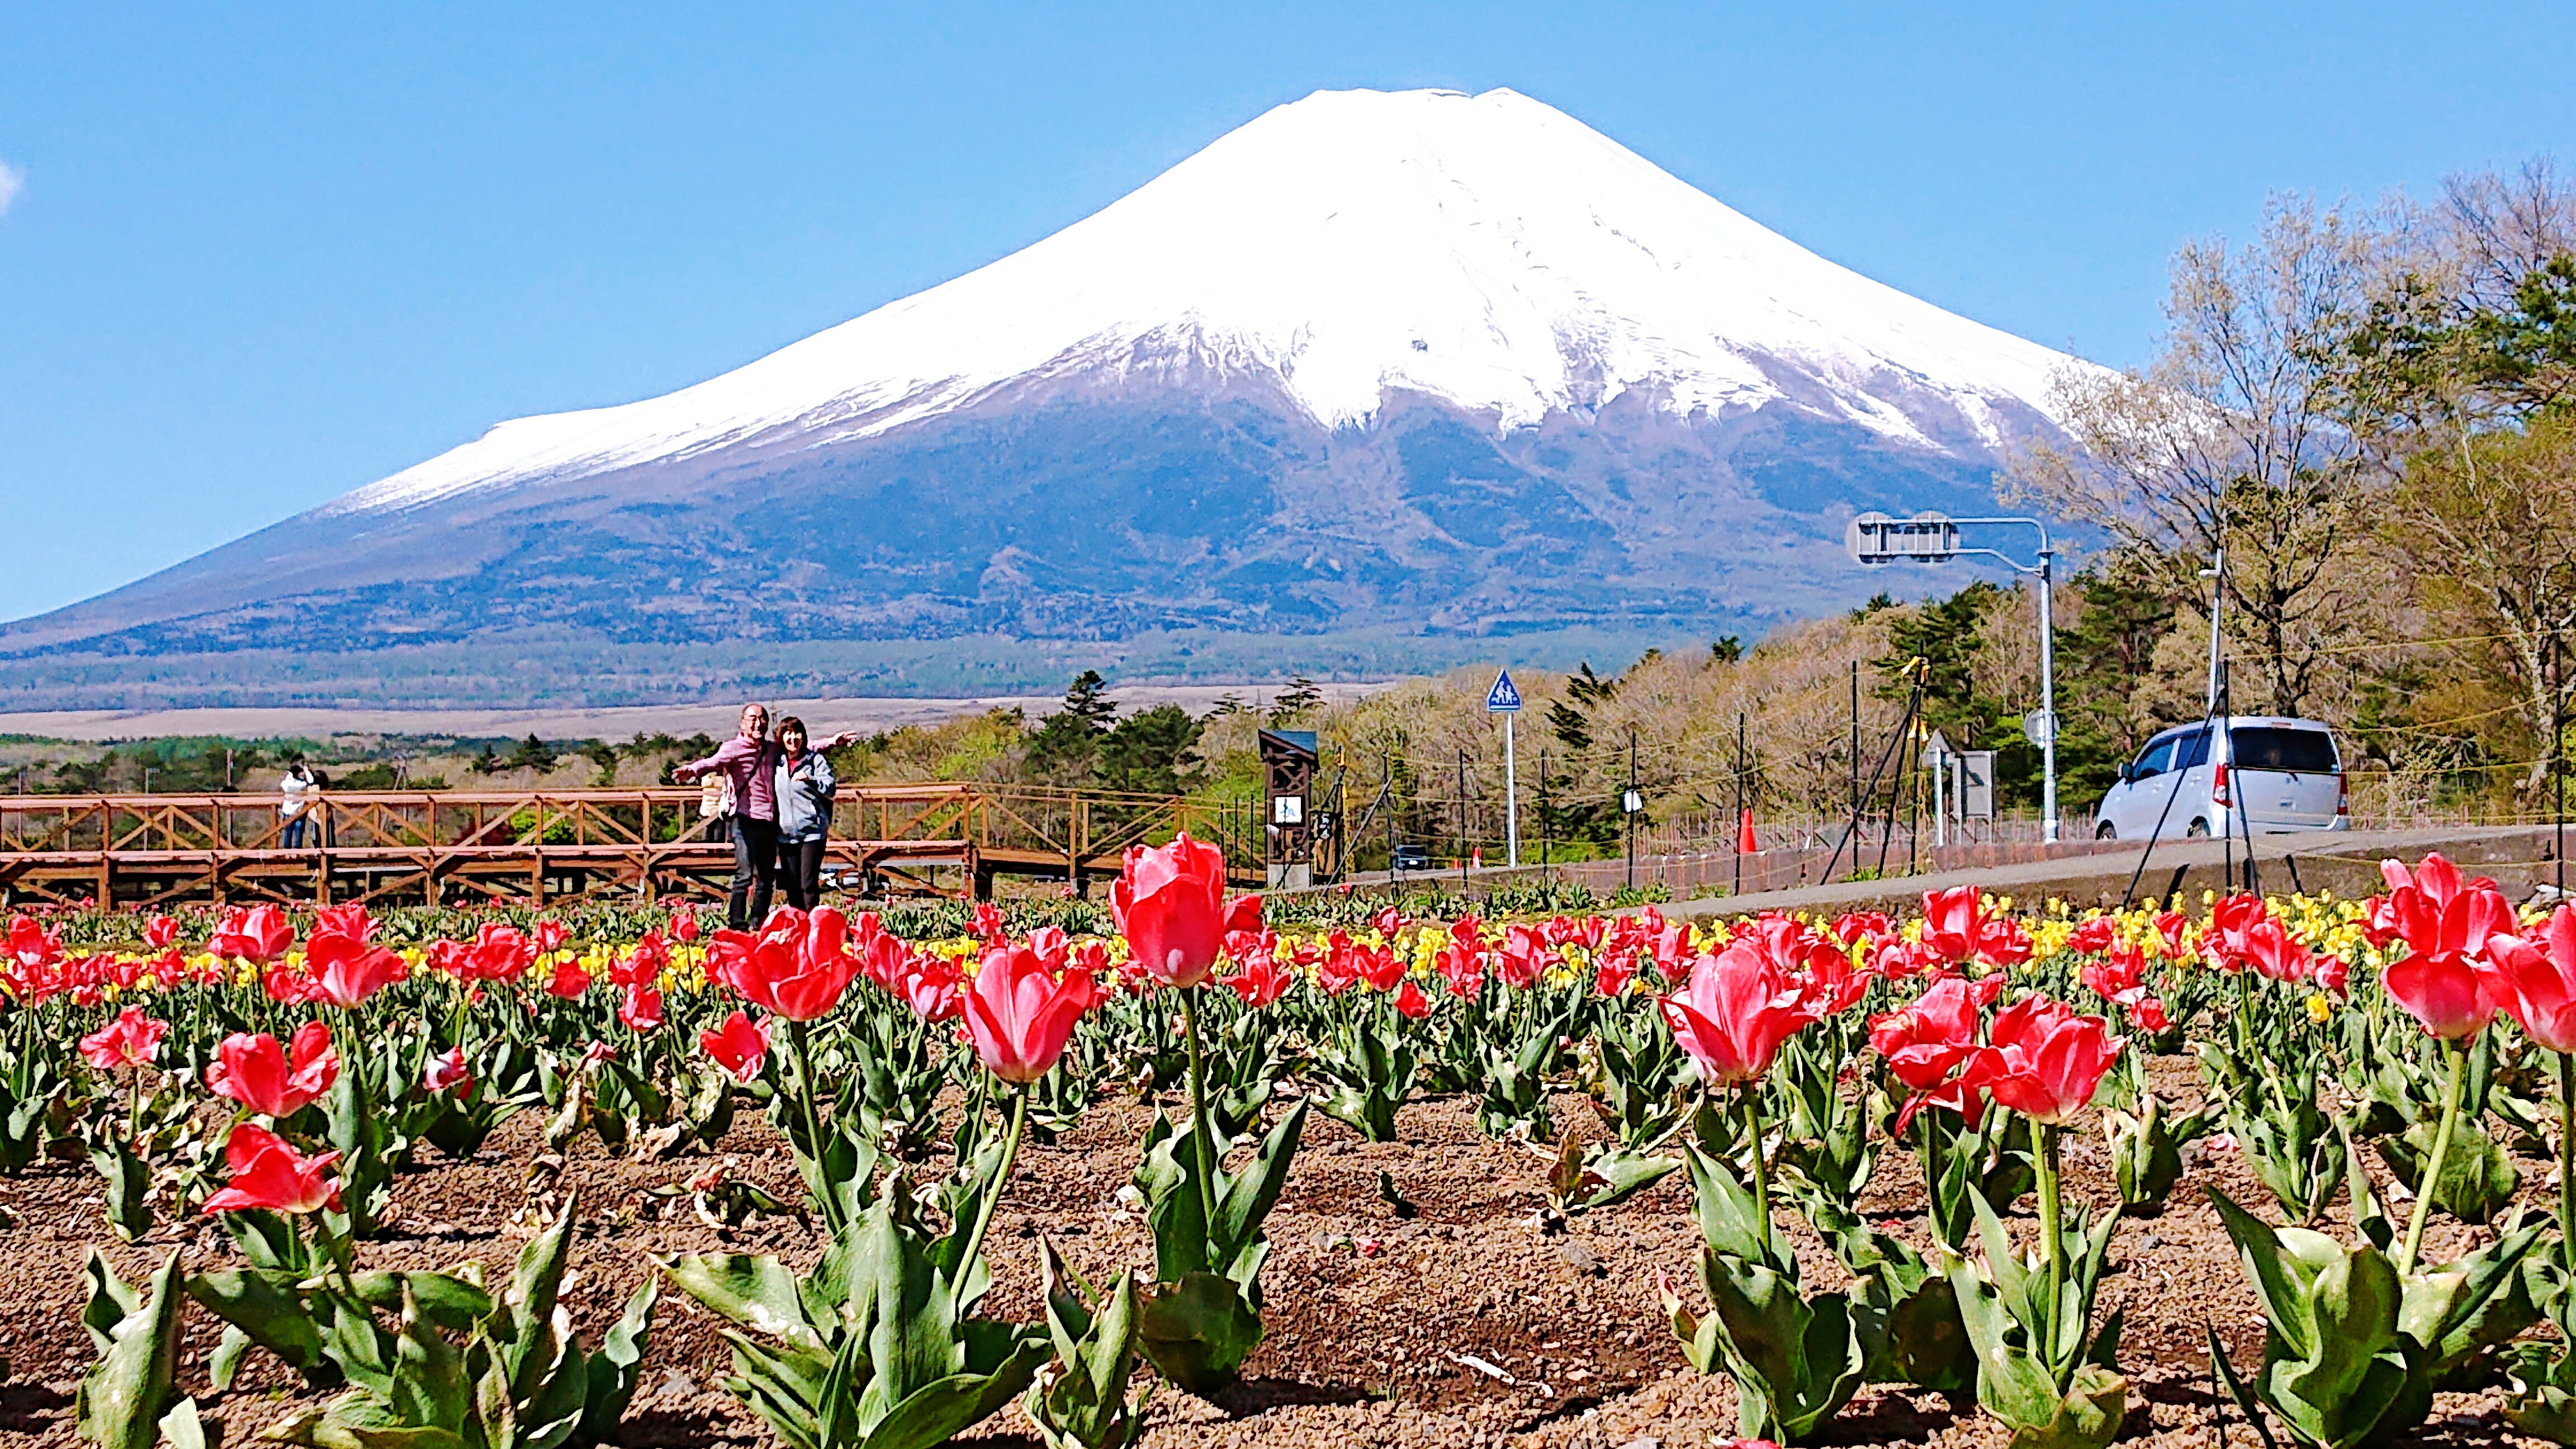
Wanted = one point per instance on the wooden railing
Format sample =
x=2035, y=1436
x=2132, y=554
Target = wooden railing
x=944, y=838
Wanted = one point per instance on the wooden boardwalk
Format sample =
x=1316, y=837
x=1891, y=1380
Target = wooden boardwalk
x=426, y=847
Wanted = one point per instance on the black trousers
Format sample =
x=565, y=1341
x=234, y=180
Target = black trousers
x=755, y=872
x=800, y=872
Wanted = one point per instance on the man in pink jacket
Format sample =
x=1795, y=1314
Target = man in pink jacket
x=750, y=761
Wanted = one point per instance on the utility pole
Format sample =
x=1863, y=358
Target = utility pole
x=1630, y=804
x=1855, y=747
x=1737, y=887
x=1389, y=789
x=2557, y=767
x=1511, y=800
x=1462, y=817
x=1546, y=842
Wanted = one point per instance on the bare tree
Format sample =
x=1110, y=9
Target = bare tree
x=2234, y=438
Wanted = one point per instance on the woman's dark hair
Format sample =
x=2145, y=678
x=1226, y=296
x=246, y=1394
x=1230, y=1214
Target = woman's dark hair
x=791, y=722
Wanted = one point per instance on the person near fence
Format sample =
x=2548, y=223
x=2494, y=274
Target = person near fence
x=804, y=787
x=295, y=804
x=749, y=762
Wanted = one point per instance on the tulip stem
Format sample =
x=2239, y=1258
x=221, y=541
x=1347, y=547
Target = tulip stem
x=2567, y=1160
x=2052, y=1231
x=1211, y=1161
x=993, y=1199
x=1761, y=1169
x=826, y=1201
x=2430, y=1181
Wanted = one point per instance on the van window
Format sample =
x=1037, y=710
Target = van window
x=2297, y=752
x=2195, y=750
x=2157, y=759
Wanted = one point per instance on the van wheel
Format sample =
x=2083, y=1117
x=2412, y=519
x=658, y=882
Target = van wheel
x=2199, y=830
x=2105, y=832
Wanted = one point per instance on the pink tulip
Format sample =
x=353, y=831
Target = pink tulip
x=132, y=1040
x=259, y=935
x=2044, y=1061
x=447, y=1072
x=2437, y=912
x=739, y=1046
x=266, y=1173
x=1170, y=904
x=1020, y=1012
x=1735, y=1012
x=350, y=921
x=271, y=1080
x=2537, y=977
x=347, y=972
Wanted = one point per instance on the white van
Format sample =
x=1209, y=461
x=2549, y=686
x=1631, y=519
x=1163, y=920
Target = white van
x=2273, y=776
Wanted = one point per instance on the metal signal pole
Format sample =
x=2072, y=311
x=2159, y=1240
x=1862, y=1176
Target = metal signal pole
x=1511, y=800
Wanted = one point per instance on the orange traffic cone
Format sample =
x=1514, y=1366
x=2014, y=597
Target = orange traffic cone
x=1745, y=844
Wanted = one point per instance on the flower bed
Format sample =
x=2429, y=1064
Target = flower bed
x=1573, y=1176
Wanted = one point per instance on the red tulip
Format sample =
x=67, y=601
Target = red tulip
x=684, y=927
x=347, y=972
x=271, y=1080
x=1410, y=1002
x=2538, y=981
x=499, y=953
x=350, y=921
x=640, y=1008
x=2335, y=974
x=2148, y=1014
x=447, y=1071
x=2044, y=1061
x=266, y=1173
x=1021, y=1012
x=159, y=932
x=2228, y=941
x=2171, y=929
x=2438, y=913
x=132, y=1040
x=1925, y=1041
x=1953, y=921
x=2119, y=976
x=797, y=965
x=31, y=946
x=933, y=988
x=551, y=936
x=2267, y=947
x=1735, y=1012
x=1170, y=904
x=1260, y=982
x=597, y=1054
x=260, y=935
x=1853, y=927
x=2094, y=936
x=1612, y=976
x=643, y=965
x=739, y=1046
x=569, y=980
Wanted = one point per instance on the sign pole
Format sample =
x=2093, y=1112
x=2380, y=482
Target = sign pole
x=1505, y=699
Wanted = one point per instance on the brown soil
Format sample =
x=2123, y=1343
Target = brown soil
x=1372, y=1314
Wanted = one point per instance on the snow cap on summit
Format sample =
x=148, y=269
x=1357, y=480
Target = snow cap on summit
x=1487, y=249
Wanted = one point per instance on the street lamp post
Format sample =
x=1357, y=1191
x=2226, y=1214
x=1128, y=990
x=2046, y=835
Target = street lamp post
x=1933, y=538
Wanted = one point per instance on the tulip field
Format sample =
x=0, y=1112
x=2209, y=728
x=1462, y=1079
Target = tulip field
x=1199, y=1170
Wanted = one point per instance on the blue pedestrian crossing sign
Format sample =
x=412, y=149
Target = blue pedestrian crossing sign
x=1504, y=697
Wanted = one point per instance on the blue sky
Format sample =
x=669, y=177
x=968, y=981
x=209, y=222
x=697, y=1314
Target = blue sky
x=252, y=257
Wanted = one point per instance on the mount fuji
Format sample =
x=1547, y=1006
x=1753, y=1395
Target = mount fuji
x=1369, y=381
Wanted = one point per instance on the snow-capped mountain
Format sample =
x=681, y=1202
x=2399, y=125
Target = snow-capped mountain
x=1419, y=361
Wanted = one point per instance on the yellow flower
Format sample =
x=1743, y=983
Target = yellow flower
x=2319, y=1009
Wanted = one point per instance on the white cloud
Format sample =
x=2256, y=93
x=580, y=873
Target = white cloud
x=12, y=180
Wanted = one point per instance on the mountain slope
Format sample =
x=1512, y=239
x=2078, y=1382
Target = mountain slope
x=1417, y=362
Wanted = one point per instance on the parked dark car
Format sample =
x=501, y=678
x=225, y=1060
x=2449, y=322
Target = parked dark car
x=1411, y=857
